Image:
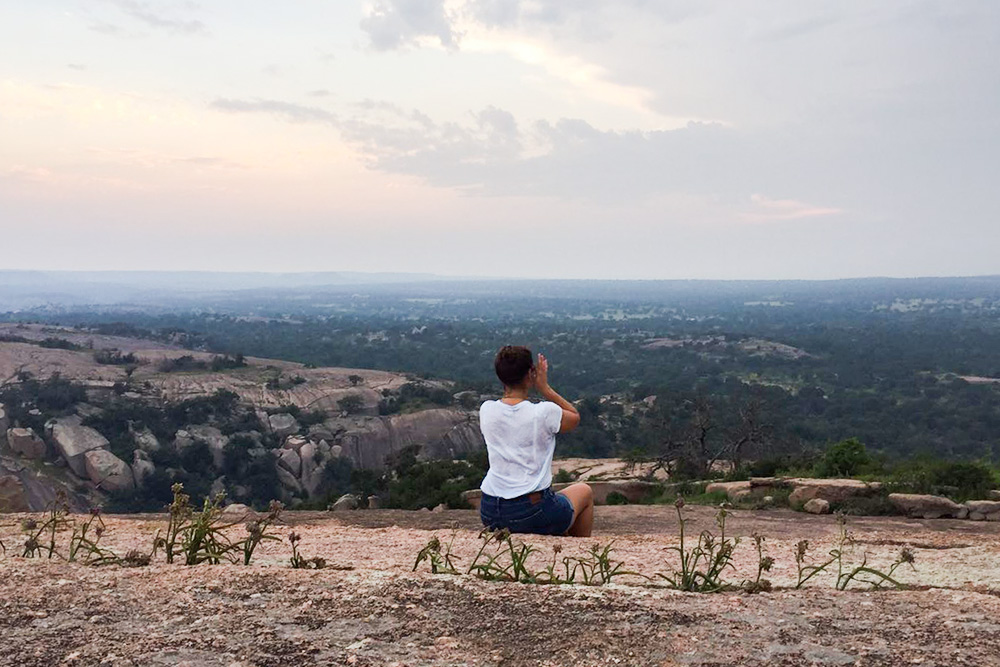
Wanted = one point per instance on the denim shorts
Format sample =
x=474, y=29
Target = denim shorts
x=552, y=514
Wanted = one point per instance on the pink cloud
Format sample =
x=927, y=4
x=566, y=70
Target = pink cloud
x=765, y=209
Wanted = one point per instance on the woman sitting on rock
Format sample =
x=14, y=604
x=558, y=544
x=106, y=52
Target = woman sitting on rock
x=520, y=439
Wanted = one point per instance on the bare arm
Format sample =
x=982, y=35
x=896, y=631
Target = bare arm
x=570, y=415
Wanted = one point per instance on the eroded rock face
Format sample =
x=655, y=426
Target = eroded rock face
x=24, y=442
x=440, y=433
x=108, y=471
x=926, y=506
x=73, y=441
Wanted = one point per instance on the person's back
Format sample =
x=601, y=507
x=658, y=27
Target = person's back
x=520, y=441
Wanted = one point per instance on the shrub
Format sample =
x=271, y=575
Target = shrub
x=844, y=459
x=616, y=498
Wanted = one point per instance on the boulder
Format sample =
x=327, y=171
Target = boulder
x=374, y=502
x=290, y=461
x=320, y=432
x=983, y=510
x=288, y=480
x=182, y=440
x=440, y=508
x=346, y=502
x=994, y=494
x=336, y=451
x=23, y=441
x=323, y=447
x=212, y=437
x=4, y=425
x=817, y=506
x=308, y=456
x=295, y=442
x=145, y=440
x=73, y=441
x=313, y=482
x=925, y=506
x=108, y=471
x=474, y=497
x=13, y=497
x=283, y=424
x=142, y=467
x=733, y=490
x=831, y=490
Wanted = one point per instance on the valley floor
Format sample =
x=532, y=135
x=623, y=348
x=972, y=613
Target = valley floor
x=380, y=613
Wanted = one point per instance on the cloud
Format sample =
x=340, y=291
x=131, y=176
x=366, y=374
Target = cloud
x=765, y=209
x=142, y=12
x=394, y=24
x=294, y=113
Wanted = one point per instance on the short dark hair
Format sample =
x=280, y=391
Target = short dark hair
x=512, y=364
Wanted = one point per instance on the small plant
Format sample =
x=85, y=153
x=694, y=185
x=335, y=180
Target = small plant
x=180, y=511
x=805, y=570
x=298, y=561
x=597, y=567
x=203, y=539
x=703, y=565
x=846, y=574
x=82, y=543
x=41, y=538
x=764, y=564
x=257, y=531
x=441, y=560
x=509, y=563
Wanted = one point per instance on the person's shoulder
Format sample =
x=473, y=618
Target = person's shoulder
x=488, y=406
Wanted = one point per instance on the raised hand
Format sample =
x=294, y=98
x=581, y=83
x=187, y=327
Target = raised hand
x=542, y=372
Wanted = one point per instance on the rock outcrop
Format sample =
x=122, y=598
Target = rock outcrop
x=733, y=490
x=73, y=441
x=24, y=442
x=440, y=433
x=926, y=506
x=830, y=490
x=983, y=510
x=108, y=471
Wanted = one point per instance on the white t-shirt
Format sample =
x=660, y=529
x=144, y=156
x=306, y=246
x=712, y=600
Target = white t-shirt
x=520, y=441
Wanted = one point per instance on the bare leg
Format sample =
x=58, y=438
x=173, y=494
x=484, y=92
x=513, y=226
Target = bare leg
x=582, y=498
